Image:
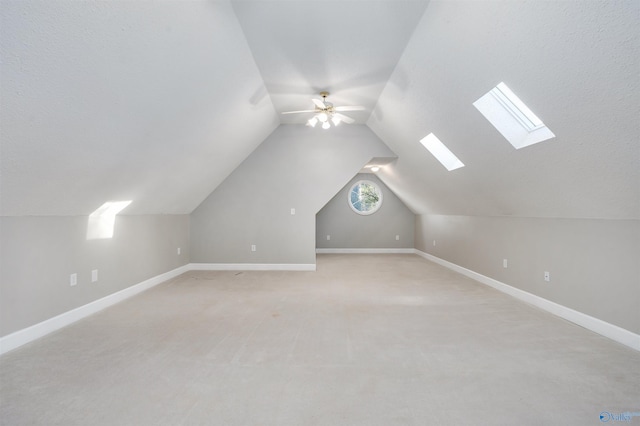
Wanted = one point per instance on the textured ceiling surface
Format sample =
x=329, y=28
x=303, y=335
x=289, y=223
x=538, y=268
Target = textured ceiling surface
x=143, y=101
x=159, y=101
x=575, y=64
x=349, y=48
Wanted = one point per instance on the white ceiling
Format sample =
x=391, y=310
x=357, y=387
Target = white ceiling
x=151, y=100
x=144, y=101
x=349, y=48
x=575, y=64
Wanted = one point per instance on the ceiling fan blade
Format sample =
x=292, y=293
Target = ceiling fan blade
x=344, y=118
x=350, y=108
x=319, y=103
x=296, y=112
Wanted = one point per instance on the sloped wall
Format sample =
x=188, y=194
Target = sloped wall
x=593, y=264
x=124, y=100
x=38, y=254
x=296, y=167
x=348, y=229
x=574, y=63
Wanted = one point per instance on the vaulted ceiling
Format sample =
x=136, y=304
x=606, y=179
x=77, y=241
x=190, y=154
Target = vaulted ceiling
x=160, y=101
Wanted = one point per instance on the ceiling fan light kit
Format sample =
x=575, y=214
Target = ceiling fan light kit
x=326, y=113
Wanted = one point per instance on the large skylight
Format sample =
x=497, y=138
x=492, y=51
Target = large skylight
x=516, y=107
x=512, y=118
x=441, y=152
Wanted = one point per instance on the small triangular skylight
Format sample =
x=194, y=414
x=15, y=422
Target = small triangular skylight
x=441, y=152
x=512, y=118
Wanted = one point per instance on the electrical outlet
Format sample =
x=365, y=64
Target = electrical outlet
x=73, y=279
x=434, y=243
x=94, y=275
x=397, y=237
x=547, y=276
x=293, y=211
x=328, y=237
x=504, y=263
x=253, y=247
x=179, y=251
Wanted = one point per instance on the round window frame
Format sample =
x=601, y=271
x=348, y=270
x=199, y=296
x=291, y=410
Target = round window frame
x=378, y=191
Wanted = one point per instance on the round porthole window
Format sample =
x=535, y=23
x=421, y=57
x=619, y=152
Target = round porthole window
x=365, y=197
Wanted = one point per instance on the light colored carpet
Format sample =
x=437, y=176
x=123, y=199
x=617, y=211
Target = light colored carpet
x=364, y=340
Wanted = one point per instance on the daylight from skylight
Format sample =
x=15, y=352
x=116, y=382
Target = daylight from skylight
x=516, y=107
x=512, y=118
x=441, y=152
x=102, y=221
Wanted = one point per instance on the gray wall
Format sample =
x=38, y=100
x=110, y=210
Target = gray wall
x=594, y=264
x=295, y=167
x=38, y=253
x=378, y=230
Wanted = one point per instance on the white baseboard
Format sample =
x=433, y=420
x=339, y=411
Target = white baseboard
x=596, y=325
x=29, y=334
x=41, y=329
x=365, y=251
x=252, y=266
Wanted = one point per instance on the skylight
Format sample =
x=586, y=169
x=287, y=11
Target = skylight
x=516, y=107
x=512, y=118
x=110, y=208
x=102, y=221
x=441, y=152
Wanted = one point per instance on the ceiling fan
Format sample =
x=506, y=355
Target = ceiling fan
x=326, y=112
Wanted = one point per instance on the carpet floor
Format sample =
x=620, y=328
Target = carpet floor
x=364, y=340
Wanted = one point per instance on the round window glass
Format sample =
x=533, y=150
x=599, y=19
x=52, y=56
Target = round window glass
x=365, y=197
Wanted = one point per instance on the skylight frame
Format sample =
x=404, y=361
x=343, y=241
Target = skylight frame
x=440, y=151
x=516, y=107
x=512, y=118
